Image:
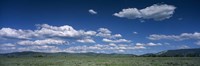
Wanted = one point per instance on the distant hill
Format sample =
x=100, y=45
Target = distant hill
x=42, y=54
x=181, y=52
x=195, y=52
x=168, y=53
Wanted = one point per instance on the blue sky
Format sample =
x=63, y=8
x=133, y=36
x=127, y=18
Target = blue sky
x=101, y=26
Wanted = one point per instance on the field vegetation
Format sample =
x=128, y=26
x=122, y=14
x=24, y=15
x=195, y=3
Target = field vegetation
x=99, y=61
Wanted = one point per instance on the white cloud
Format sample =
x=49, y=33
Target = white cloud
x=153, y=44
x=111, y=47
x=16, y=34
x=121, y=50
x=198, y=43
x=135, y=32
x=183, y=36
x=48, y=38
x=91, y=11
x=7, y=45
x=140, y=47
x=102, y=47
x=183, y=47
x=159, y=37
x=157, y=12
x=62, y=31
x=7, y=48
x=130, y=13
x=90, y=33
x=86, y=41
x=139, y=44
x=117, y=35
x=116, y=41
x=105, y=33
x=41, y=48
x=148, y=44
x=144, y=45
x=42, y=42
x=45, y=31
x=112, y=44
x=104, y=30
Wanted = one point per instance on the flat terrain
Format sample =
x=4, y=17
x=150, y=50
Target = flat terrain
x=99, y=61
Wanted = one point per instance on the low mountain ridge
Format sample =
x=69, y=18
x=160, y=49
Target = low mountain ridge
x=181, y=52
x=43, y=54
x=195, y=52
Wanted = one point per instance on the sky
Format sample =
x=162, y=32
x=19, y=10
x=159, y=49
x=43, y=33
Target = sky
x=99, y=26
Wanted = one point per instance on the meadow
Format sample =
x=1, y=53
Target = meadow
x=99, y=61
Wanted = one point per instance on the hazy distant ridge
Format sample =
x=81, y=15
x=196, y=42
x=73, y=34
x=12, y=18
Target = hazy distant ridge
x=168, y=53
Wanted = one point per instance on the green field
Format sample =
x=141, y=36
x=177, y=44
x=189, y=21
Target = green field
x=99, y=61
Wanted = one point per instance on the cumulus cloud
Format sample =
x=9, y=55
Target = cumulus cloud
x=90, y=33
x=36, y=48
x=86, y=41
x=130, y=13
x=104, y=30
x=148, y=44
x=105, y=33
x=153, y=44
x=91, y=11
x=42, y=42
x=183, y=36
x=117, y=35
x=48, y=38
x=198, y=43
x=2, y=49
x=107, y=36
x=183, y=47
x=157, y=12
x=7, y=45
x=15, y=34
x=44, y=30
x=111, y=47
x=121, y=50
x=41, y=48
x=116, y=41
x=139, y=47
x=144, y=45
x=62, y=31
x=102, y=47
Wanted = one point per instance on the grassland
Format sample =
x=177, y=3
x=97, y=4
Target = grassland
x=99, y=61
